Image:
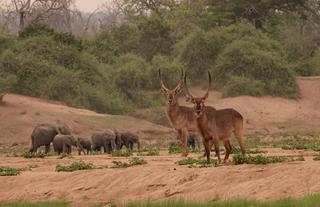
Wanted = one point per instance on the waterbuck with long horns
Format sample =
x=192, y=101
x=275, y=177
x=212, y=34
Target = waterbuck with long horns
x=211, y=123
x=181, y=117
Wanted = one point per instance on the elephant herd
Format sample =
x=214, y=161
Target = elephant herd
x=62, y=140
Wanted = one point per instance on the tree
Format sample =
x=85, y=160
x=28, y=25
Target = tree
x=35, y=11
x=255, y=11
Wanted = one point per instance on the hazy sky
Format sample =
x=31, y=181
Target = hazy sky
x=89, y=5
x=83, y=5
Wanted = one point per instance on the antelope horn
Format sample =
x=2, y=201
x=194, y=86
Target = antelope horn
x=207, y=93
x=189, y=95
x=180, y=82
x=161, y=82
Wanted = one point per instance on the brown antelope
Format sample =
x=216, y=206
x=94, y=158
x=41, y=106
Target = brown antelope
x=181, y=117
x=211, y=123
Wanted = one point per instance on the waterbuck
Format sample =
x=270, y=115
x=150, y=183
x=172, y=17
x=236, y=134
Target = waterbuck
x=181, y=118
x=211, y=123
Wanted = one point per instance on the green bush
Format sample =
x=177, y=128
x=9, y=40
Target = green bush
x=75, y=166
x=198, y=52
x=314, y=63
x=198, y=162
x=316, y=158
x=271, y=72
x=239, y=159
x=137, y=161
x=149, y=151
x=170, y=72
x=132, y=162
x=33, y=155
x=174, y=149
x=35, y=30
x=240, y=85
x=8, y=171
x=121, y=153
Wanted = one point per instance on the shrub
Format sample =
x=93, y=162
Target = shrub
x=75, y=166
x=198, y=162
x=36, y=30
x=271, y=72
x=8, y=171
x=174, y=149
x=240, y=85
x=198, y=52
x=170, y=71
x=132, y=162
x=137, y=161
x=119, y=164
x=33, y=155
x=149, y=151
x=316, y=158
x=259, y=159
x=121, y=153
x=314, y=64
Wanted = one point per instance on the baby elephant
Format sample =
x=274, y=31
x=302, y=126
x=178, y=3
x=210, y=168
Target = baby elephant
x=192, y=141
x=82, y=145
x=105, y=140
x=127, y=139
x=63, y=143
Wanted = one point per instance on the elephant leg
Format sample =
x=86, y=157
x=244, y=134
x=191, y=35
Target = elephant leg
x=105, y=147
x=47, y=148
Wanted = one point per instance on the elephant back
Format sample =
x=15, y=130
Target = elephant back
x=86, y=143
x=43, y=134
x=59, y=139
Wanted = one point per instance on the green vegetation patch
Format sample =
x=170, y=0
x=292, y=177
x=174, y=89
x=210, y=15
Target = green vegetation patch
x=33, y=155
x=134, y=161
x=8, y=171
x=191, y=162
x=121, y=153
x=317, y=158
x=149, y=151
x=308, y=201
x=262, y=159
x=75, y=166
x=174, y=149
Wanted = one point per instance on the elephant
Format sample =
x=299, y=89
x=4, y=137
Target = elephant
x=63, y=143
x=105, y=139
x=82, y=145
x=127, y=139
x=43, y=134
x=192, y=141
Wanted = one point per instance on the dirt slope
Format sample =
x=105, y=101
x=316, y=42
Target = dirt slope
x=21, y=114
x=262, y=114
x=270, y=114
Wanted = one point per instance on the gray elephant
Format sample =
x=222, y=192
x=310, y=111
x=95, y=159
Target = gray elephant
x=63, y=143
x=43, y=134
x=105, y=139
x=83, y=144
x=192, y=141
x=127, y=139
